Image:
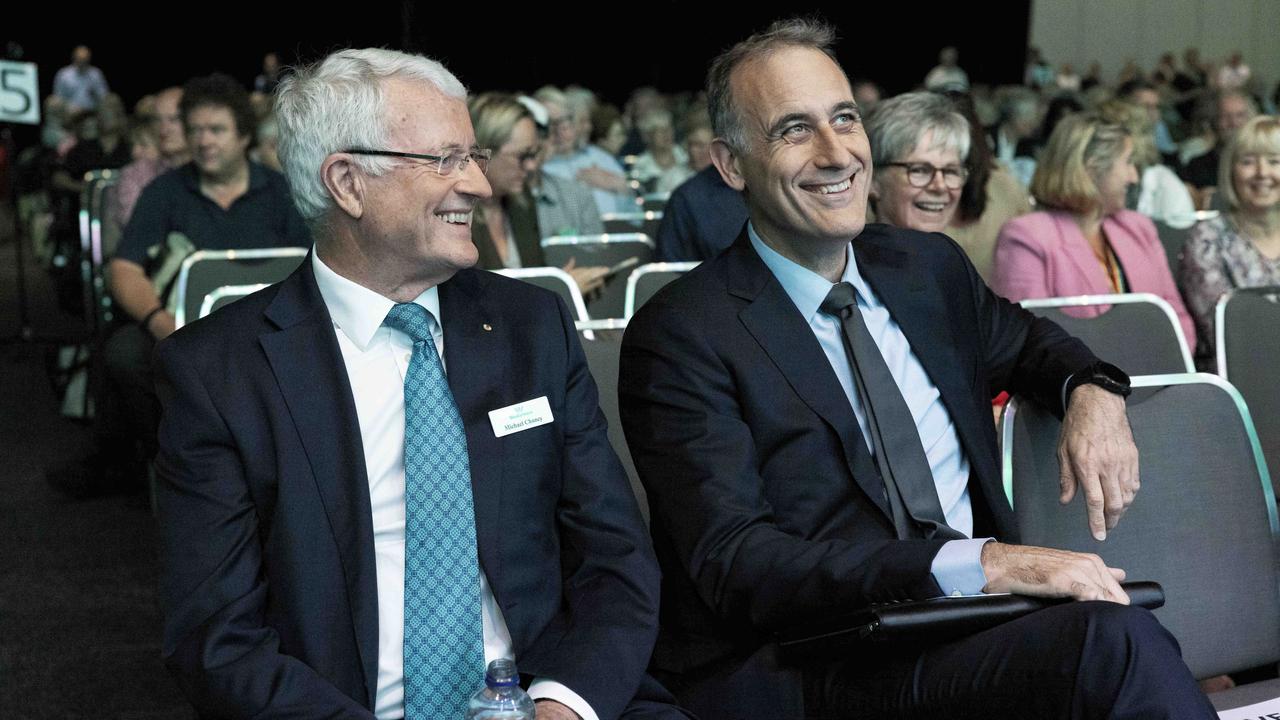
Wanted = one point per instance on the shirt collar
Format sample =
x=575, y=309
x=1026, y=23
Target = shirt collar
x=190, y=175
x=357, y=311
x=806, y=288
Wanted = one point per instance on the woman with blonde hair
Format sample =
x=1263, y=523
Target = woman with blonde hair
x=509, y=226
x=1085, y=242
x=1240, y=247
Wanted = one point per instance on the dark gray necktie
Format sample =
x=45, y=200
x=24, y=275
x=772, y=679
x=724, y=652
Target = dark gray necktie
x=913, y=497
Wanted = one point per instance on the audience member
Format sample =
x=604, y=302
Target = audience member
x=507, y=230
x=1161, y=195
x=866, y=93
x=758, y=443
x=918, y=148
x=661, y=151
x=323, y=552
x=265, y=83
x=701, y=218
x=1234, y=74
x=947, y=75
x=219, y=200
x=1084, y=241
x=1039, y=74
x=1092, y=78
x=607, y=130
x=1013, y=139
x=80, y=85
x=571, y=158
x=1145, y=95
x=171, y=142
x=265, y=151
x=1068, y=80
x=1232, y=109
x=1240, y=247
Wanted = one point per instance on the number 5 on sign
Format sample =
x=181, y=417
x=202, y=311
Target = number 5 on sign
x=19, y=93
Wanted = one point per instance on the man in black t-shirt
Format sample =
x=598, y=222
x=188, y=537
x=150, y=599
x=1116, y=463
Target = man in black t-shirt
x=219, y=200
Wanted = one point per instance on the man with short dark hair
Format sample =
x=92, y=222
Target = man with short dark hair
x=810, y=414
x=217, y=201
x=1232, y=109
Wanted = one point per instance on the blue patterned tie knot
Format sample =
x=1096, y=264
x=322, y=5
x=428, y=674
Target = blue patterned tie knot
x=443, y=636
x=411, y=319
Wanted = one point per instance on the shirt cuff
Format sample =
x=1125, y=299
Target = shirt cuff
x=957, y=567
x=544, y=689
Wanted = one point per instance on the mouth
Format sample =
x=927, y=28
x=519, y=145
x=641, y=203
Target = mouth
x=456, y=217
x=830, y=188
x=930, y=207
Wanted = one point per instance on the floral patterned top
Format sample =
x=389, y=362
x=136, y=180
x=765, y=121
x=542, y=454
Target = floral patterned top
x=1218, y=258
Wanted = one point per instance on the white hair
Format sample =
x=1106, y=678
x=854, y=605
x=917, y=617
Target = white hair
x=338, y=104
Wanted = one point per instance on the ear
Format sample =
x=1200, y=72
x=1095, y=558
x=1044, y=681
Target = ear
x=723, y=157
x=344, y=183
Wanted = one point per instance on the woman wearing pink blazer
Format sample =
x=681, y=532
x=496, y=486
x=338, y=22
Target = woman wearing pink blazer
x=1085, y=242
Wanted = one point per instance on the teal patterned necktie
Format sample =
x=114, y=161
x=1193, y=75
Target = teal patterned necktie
x=443, y=638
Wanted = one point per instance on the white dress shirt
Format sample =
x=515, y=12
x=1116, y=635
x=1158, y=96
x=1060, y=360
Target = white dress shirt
x=957, y=567
x=377, y=359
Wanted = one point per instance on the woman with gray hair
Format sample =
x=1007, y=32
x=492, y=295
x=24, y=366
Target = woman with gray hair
x=918, y=148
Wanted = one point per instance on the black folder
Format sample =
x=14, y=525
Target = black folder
x=927, y=621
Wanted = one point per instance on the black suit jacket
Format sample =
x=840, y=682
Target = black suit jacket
x=268, y=575
x=767, y=509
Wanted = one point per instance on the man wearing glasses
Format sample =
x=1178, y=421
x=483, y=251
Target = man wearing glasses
x=391, y=468
x=809, y=412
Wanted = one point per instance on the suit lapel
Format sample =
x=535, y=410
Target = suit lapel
x=476, y=359
x=1076, y=247
x=772, y=319
x=312, y=377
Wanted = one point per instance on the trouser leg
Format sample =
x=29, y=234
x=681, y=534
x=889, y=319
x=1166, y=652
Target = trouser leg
x=1076, y=661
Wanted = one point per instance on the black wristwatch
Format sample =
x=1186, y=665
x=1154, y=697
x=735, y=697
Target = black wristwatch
x=1104, y=375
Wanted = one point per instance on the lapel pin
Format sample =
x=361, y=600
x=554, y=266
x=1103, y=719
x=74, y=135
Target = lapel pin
x=487, y=327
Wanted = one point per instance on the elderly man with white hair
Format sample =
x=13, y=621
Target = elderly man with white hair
x=390, y=468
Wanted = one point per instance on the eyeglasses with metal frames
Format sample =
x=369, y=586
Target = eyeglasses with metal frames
x=455, y=163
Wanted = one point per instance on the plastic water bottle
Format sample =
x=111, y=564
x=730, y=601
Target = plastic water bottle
x=501, y=698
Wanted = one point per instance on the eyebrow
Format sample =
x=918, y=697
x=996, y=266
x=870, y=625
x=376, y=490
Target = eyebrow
x=776, y=128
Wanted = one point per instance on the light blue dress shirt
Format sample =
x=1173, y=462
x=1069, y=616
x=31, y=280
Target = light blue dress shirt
x=957, y=567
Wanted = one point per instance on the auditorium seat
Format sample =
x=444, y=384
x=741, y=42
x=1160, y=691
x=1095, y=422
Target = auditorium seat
x=1247, y=323
x=646, y=280
x=226, y=295
x=557, y=281
x=620, y=252
x=602, y=343
x=1137, y=332
x=207, y=270
x=1203, y=524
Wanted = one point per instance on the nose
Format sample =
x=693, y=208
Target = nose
x=829, y=150
x=473, y=183
x=936, y=182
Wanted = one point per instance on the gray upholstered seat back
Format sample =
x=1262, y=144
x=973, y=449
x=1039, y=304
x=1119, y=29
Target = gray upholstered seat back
x=1202, y=525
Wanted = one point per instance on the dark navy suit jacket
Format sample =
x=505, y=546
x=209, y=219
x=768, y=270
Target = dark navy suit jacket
x=268, y=575
x=767, y=509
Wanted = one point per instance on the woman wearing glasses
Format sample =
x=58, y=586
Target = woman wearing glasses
x=1085, y=242
x=509, y=227
x=918, y=148
x=977, y=194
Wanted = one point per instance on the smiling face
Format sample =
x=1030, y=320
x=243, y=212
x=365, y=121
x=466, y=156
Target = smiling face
x=930, y=208
x=807, y=164
x=1256, y=180
x=416, y=223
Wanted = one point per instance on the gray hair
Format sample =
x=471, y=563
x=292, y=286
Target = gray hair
x=726, y=117
x=897, y=125
x=340, y=103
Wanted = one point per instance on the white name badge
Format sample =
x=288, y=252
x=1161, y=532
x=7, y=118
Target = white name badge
x=521, y=416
